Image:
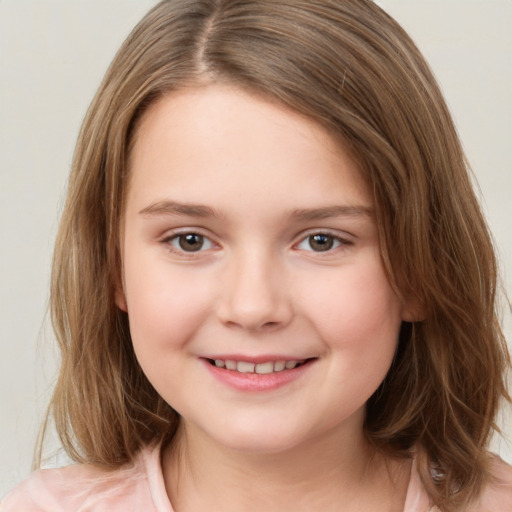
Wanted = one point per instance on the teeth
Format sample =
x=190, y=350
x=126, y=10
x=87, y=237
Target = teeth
x=231, y=365
x=260, y=368
x=279, y=366
x=244, y=367
x=265, y=367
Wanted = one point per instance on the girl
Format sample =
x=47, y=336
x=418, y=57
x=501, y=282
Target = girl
x=273, y=287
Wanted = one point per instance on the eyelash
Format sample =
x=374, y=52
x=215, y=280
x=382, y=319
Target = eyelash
x=333, y=241
x=176, y=238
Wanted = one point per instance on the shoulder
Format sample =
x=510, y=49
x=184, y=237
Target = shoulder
x=82, y=487
x=497, y=495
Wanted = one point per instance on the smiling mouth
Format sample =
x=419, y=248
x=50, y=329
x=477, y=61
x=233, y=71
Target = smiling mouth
x=258, y=368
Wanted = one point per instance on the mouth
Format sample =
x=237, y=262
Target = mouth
x=263, y=368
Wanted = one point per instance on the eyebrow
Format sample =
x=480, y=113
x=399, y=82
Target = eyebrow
x=176, y=208
x=312, y=214
x=167, y=207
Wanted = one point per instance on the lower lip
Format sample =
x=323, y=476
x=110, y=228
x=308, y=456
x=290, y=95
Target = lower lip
x=257, y=381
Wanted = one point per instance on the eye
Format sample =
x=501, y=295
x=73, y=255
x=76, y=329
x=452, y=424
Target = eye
x=190, y=242
x=320, y=242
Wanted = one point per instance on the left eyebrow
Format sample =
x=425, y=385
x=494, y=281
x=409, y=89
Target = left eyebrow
x=175, y=208
x=311, y=214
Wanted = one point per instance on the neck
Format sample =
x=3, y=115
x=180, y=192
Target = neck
x=324, y=474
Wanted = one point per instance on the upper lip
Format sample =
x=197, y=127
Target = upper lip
x=265, y=358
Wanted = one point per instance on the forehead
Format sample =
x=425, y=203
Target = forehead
x=218, y=141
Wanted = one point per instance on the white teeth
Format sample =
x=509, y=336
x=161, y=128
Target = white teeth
x=265, y=367
x=260, y=368
x=244, y=367
x=279, y=366
x=230, y=365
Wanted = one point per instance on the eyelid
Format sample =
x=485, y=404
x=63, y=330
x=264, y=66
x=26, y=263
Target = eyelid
x=173, y=234
x=343, y=239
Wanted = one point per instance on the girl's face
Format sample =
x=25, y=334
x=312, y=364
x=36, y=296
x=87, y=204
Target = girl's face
x=258, y=304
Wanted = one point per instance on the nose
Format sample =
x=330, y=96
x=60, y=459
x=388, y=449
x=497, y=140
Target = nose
x=254, y=295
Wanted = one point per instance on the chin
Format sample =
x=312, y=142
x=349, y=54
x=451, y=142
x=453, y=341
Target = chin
x=268, y=439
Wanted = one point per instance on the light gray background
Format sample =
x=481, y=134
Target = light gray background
x=53, y=54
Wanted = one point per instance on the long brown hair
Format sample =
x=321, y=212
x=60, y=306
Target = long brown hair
x=350, y=67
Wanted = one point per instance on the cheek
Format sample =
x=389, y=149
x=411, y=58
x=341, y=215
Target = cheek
x=357, y=311
x=359, y=322
x=165, y=304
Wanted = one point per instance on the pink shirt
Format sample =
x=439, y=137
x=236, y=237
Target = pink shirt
x=140, y=488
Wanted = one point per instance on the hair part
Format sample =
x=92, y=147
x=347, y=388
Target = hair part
x=350, y=67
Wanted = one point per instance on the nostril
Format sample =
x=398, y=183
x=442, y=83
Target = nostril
x=253, y=298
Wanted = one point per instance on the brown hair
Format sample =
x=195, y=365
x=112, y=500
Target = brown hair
x=350, y=67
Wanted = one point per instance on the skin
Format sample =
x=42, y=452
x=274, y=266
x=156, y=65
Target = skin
x=262, y=181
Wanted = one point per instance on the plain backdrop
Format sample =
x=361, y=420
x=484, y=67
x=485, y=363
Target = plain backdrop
x=53, y=54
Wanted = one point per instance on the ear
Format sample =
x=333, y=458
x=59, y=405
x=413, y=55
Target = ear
x=413, y=309
x=120, y=298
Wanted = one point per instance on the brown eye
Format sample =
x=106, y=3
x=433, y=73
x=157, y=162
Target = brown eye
x=189, y=242
x=321, y=242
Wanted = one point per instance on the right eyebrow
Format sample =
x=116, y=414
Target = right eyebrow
x=314, y=214
x=167, y=207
